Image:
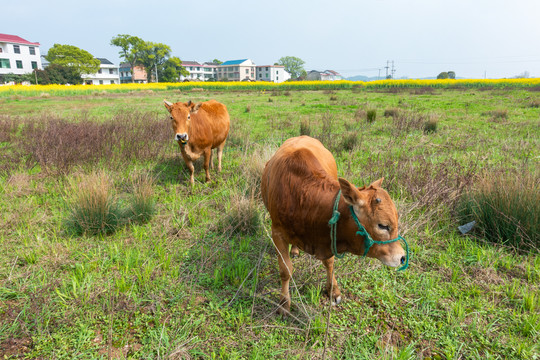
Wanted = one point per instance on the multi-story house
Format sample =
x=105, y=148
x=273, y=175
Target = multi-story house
x=18, y=56
x=138, y=74
x=107, y=74
x=201, y=72
x=272, y=73
x=327, y=75
x=236, y=70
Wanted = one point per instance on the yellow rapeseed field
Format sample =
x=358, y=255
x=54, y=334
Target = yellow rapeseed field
x=36, y=90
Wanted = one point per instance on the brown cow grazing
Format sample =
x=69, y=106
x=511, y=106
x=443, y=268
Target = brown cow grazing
x=199, y=128
x=299, y=188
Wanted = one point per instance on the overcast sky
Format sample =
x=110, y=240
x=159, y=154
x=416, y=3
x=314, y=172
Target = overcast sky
x=474, y=38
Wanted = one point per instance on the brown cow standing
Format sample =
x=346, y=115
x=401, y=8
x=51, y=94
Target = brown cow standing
x=199, y=128
x=299, y=187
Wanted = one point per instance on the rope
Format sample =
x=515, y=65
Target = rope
x=368, y=240
x=333, y=227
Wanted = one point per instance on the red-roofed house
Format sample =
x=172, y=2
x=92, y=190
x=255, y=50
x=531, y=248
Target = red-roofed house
x=18, y=56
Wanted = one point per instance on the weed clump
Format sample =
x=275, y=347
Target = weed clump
x=506, y=209
x=93, y=207
x=430, y=126
x=393, y=112
x=371, y=116
x=243, y=217
x=349, y=141
x=142, y=204
x=305, y=127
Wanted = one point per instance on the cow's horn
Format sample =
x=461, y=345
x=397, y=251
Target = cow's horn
x=167, y=103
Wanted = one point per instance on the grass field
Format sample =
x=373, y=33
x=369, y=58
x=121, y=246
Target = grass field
x=199, y=277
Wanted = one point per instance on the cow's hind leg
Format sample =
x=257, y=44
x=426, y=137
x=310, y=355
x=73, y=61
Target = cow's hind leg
x=294, y=251
x=207, y=158
x=332, y=287
x=220, y=154
x=285, y=270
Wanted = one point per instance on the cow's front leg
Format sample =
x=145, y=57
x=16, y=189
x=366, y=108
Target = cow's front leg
x=332, y=287
x=191, y=168
x=207, y=158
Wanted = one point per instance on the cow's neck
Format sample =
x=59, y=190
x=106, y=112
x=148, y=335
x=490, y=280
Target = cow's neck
x=347, y=240
x=187, y=150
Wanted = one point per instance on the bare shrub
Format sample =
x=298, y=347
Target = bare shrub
x=423, y=90
x=407, y=121
x=57, y=145
x=248, y=109
x=392, y=112
x=360, y=114
x=496, y=115
x=535, y=103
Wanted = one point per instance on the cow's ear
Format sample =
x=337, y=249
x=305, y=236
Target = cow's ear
x=196, y=108
x=377, y=183
x=188, y=104
x=168, y=105
x=350, y=193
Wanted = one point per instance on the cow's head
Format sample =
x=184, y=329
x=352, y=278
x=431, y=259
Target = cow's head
x=181, y=118
x=378, y=214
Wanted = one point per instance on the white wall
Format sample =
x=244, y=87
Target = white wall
x=25, y=58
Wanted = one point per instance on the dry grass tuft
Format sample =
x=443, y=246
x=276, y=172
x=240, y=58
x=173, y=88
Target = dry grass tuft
x=92, y=205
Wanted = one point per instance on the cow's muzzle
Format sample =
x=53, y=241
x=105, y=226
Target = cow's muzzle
x=183, y=138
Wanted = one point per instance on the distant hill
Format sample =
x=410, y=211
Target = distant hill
x=361, y=78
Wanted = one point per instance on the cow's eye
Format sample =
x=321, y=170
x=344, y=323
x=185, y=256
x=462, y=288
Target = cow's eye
x=171, y=118
x=384, y=227
x=189, y=117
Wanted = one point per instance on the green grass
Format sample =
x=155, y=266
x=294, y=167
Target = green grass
x=199, y=276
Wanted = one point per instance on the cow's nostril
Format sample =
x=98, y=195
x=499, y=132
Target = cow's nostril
x=402, y=260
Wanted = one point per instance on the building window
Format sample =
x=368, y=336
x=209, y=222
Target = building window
x=32, y=50
x=16, y=49
x=247, y=71
x=4, y=64
x=34, y=65
x=100, y=82
x=19, y=64
x=99, y=71
x=111, y=71
x=112, y=82
x=1, y=50
x=266, y=68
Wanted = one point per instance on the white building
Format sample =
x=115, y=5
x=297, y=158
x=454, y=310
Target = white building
x=272, y=73
x=106, y=75
x=200, y=72
x=236, y=70
x=18, y=56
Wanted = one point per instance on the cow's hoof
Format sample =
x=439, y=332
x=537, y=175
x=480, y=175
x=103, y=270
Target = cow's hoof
x=337, y=301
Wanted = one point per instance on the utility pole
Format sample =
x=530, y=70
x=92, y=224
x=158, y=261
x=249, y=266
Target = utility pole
x=387, y=67
x=379, y=77
x=393, y=69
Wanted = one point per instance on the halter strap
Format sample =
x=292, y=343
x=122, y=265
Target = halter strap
x=368, y=240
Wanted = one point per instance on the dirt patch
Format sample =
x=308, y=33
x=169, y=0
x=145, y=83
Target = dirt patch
x=12, y=347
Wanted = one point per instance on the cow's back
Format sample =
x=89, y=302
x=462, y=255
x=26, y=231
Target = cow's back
x=299, y=169
x=217, y=119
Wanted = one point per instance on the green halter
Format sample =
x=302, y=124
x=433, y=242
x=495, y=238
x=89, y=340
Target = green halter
x=368, y=240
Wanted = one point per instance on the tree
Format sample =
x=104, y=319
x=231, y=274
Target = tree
x=451, y=75
x=293, y=65
x=443, y=75
x=58, y=74
x=131, y=48
x=153, y=56
x=216, y=61
x=81, y=61
x=172, y=69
